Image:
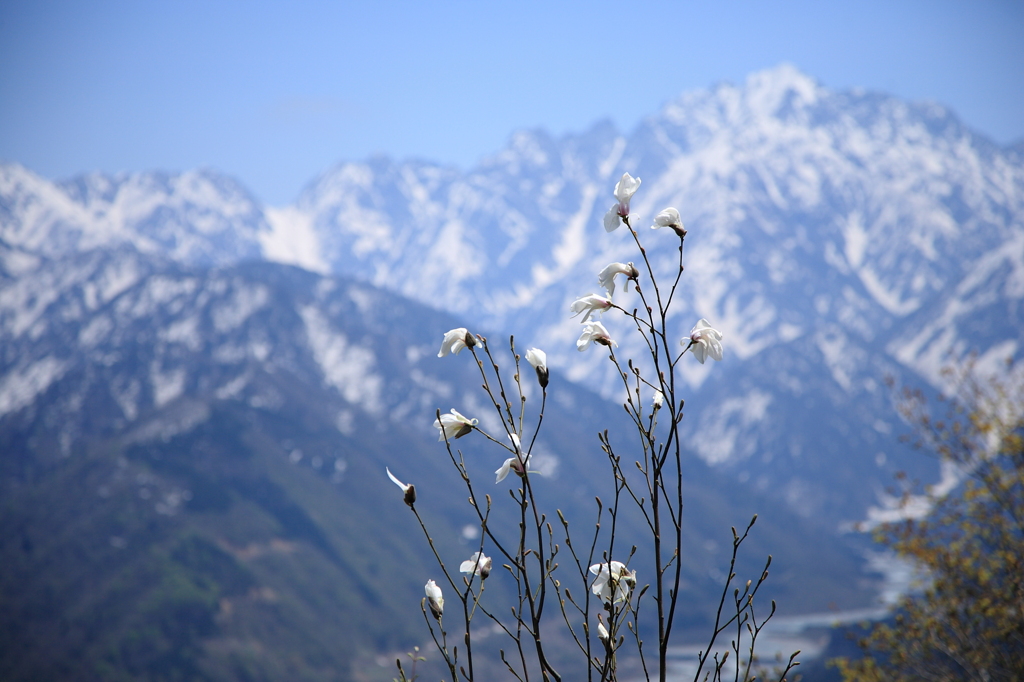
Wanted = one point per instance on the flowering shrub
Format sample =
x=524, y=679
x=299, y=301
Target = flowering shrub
x=603, y=618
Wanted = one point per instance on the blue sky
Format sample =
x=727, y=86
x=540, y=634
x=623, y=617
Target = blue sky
x=273, y=93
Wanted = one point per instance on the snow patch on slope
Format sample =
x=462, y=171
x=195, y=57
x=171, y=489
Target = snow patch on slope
x=166, y=385
x=952, y=329
x=244, y=302
x=21, y=385
x=292, y=239
x=720, y=428
x=346, y=366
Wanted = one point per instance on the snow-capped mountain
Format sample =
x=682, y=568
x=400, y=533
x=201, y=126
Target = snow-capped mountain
x=193, y=433
x=193, y=474
x=198, y=217
x=836, y=238
x=781, y=183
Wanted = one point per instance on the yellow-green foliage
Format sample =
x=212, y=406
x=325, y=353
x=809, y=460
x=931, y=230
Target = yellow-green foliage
x=969, y=622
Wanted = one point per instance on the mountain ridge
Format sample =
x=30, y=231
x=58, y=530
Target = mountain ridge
x=196, y=487
x=199, y=393
x=854, y=229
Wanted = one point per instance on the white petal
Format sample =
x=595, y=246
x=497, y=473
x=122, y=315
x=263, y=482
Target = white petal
x=478, y=564
x=454, y=341
x=667, y=218
x=626, y=187
x=611, y=219
x=699, y=352
x=606, y=278
x=589, y=304
x=537, y=358
x=503, y=471
x=433, y=593
x=401, y=485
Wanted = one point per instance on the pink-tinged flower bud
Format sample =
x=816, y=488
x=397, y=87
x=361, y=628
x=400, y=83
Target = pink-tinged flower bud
x=625, y=188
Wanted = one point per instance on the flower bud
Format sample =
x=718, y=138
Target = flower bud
x=408, y=489
x=539, y=360
x=434, y=599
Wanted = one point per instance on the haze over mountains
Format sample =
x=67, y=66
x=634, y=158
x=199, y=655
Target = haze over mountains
x=153, y=341
x=834, y=237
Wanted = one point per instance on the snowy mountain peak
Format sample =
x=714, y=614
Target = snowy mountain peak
x=774, y=93
x=779, y=95
x=768, y=90
x=783, y=183
x=198, y=217
x=835, y=237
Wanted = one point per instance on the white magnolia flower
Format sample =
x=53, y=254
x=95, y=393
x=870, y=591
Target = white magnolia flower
x=602, y=632
x=607, y=276
x=625, y=188
x=589, y=304
x=454, y=425
x=704, y=341
x=478, y=564
x=594, y=332
x=538, y=359
x=434, y=598
x=669, y=218
x=659, y=399
x=515, y=464
x=408, y=488
x=455, y=340
x=612, y=579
